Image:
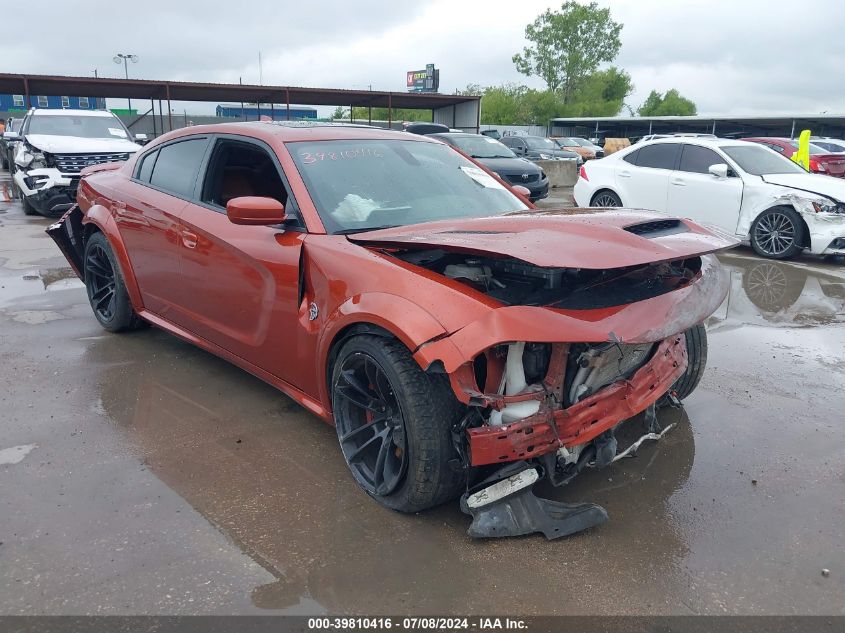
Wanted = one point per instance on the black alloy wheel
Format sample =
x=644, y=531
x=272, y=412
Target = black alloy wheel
x=100, y=282
x=370, y=425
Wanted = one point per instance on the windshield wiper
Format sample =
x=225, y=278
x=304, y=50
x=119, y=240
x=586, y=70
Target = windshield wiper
x=365, y=229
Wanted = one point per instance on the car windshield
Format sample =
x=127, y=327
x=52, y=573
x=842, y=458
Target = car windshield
x=536, y=142
x=814, y=149
x=82, y=126
x=15, y=125
x=565, y=142
x=582, y=142
x=368, y=184
x=759, y=161
x=481, y=147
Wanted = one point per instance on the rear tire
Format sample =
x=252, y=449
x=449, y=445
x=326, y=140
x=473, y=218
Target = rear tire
x=381, y=398
x=106, y=289
x=696, y=340
x=605, y=198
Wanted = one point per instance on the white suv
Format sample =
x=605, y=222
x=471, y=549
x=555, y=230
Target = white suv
x=55, y=146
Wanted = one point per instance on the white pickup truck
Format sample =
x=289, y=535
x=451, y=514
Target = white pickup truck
x=54, y=146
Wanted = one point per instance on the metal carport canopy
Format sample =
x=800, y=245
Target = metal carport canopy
x=210, y=92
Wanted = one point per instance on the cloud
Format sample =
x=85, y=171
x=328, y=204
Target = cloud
x=728, y=57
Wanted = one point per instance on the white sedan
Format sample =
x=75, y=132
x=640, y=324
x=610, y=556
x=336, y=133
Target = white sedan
x=743, y=188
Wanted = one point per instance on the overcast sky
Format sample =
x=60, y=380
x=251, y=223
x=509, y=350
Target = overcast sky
x=730, y=57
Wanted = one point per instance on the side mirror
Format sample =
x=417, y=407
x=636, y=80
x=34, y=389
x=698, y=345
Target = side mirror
x=720, y=170
x=524, y=192
x=11, y=136
x=140, y=137
x=255, y=211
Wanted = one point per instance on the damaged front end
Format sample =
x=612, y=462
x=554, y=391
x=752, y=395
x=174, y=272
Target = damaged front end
x=549, y=375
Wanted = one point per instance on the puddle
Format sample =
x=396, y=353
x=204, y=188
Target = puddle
x=773, y=293
x=16, y=454
x=36, y=283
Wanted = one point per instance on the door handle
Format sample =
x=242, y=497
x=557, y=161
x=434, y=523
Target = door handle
x=624, y=174
x=678, y=182
x=189, y=239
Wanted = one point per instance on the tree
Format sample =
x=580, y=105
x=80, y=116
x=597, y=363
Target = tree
x=669, y=104
x=340, y=113
x=568, y=46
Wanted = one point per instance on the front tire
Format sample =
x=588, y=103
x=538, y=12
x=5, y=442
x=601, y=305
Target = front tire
x=394, y=425
x=106, y=289
x=778, y=233
x=605, y=198
x=696, y=340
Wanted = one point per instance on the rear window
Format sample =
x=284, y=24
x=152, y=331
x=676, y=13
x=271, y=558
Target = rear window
x=659, y=156
x=177, y=166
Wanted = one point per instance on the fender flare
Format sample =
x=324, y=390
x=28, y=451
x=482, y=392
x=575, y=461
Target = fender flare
x=379, y=309
x=100, y=217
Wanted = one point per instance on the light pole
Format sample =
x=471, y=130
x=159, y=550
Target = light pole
x=126, y=58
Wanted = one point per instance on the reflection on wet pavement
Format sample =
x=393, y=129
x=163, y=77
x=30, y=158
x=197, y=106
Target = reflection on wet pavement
x=166, y=480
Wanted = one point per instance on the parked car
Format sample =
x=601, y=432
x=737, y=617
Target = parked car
x=461, y=342
x=8, y=144
x=499, y=159
x=570, y=145
x=426, y=128
x=742, y=188
x=832, y=145
x=55, y=146
x=598, y=150
x=539, y=148
x=492, y=134
x=821, y=161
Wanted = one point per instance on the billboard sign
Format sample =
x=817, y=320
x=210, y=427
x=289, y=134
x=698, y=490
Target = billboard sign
x=427, y=80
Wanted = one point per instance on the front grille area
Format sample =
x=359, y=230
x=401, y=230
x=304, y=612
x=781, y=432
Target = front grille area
x=521, y=179
x=75, y=163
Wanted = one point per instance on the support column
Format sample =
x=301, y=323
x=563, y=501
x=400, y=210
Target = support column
x=287, y=104
x=389, y=110
x=169, y=110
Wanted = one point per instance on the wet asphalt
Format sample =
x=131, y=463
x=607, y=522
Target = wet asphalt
x=139, y=475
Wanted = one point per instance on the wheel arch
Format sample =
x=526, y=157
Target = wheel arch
x=604, y=189
x=375, y=314
x=98, y=219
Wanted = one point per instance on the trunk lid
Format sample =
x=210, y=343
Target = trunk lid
x=561, y=238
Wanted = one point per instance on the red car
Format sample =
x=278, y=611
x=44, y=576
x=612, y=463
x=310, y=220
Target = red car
x=821, y=161
x=462, y=342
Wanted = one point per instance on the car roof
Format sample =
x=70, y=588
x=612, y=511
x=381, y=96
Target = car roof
x=66, y=111
x=691, y=140
x=293, y=131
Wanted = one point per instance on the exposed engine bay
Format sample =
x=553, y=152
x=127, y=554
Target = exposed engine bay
x=515, y=282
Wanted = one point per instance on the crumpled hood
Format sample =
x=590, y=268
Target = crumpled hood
x=562, y=238
x=80, y=145
x=810, y=183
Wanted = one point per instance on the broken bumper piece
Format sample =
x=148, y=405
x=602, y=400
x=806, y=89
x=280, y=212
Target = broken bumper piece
x=508, y=507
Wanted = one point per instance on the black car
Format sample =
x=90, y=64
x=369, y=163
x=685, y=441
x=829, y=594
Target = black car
x=498, y=158
x=425, y=129
x=539, y=148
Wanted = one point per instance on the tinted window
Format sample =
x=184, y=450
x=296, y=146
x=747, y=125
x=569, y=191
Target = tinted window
x=177, y=166
x=632, y=157
x=698, y=159
x=241, y=169
x=660, y=156
x=146, y=168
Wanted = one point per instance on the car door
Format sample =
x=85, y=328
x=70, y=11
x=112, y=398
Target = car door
x=697, y=194
x=242, y=282
x=147, y=217
x=642, y=177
